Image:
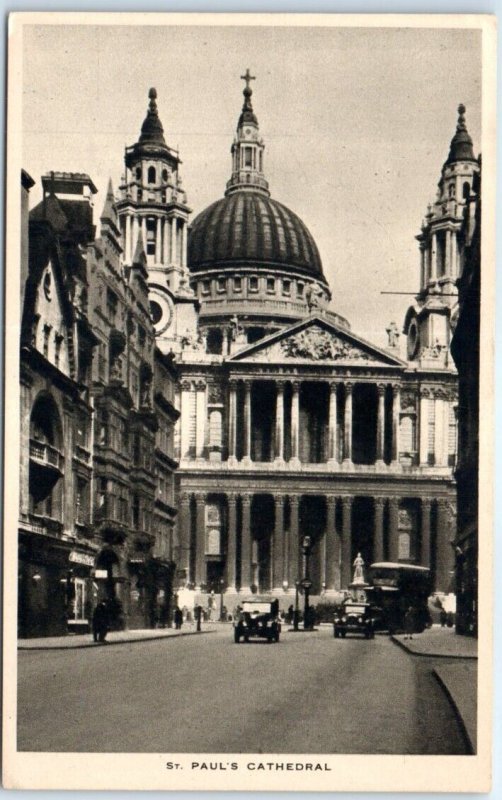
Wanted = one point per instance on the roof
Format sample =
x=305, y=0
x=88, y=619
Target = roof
x=461, y=145
x=248, y=228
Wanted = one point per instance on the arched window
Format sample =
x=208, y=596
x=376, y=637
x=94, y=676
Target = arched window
x=466, y=190
x=164, y=174
x=138, y=173
x=151, y=175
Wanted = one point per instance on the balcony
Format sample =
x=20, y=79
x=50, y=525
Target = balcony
x=45, y=455
x=43, y=526
x=82, y=454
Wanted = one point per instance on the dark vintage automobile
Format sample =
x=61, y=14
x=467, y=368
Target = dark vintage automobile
x=354, y=617
x=259, y=618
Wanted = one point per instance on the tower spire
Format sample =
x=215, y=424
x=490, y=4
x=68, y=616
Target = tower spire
x=152, y=131
x=248, y=147
x=461, y=145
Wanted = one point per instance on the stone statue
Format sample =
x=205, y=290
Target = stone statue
x=236, y=330
x=358, y=569
x=314, y=296
x=393, y=334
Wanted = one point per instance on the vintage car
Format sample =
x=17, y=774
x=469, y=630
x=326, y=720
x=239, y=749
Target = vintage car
x=257, y=617
x=354, y=617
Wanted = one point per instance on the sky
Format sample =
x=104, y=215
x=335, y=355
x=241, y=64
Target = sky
x=357, y=124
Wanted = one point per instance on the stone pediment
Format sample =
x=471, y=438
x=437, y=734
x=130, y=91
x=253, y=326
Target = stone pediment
x=316, y=341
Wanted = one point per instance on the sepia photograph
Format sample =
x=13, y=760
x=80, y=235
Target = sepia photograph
x=244, y=463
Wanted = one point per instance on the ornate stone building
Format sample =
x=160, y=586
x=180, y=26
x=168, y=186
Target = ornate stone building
x=291, y=423
x=97, y=504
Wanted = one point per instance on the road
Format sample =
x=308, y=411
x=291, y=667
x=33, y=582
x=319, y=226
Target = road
x=310, y=693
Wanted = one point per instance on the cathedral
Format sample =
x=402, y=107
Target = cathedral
x=196, y=414
x=292, y=425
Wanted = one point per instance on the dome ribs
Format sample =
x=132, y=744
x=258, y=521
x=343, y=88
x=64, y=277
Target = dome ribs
x=247, y=228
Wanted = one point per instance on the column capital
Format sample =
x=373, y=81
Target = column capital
x=349, y=385
x=379, y=502
x=232, y=383
x=381, y=388
x=279, y=499
x=426, y=502
x=442, y=503
x=185, y=386
x=331, y=500
x=200, y=385
x=294, y=499
x=200, y=497
x=394, y=502
x=231, y=498
x=280, y=383
x=247, y=384
x=296, y=386
x=396, y=388
x=184, y=498
x=246, y=498
x=333, y=386
x=347, y=501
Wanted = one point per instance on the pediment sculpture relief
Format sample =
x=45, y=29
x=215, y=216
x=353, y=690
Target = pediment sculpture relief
x=319, y=345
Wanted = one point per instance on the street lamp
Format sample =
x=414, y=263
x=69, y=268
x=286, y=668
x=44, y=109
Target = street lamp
x=296, y=612
x=222, y=589
x=306, y=582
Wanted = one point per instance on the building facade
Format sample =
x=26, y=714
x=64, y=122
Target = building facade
x=97, y=507
x=290, y=423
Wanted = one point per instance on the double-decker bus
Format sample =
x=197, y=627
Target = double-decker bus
x=394, y=587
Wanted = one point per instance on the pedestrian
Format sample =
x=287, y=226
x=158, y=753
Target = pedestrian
x=409, y=623
x=442, y=617
x=100, y=622
x=178, y=618
x=290, y=614
x=198, y=616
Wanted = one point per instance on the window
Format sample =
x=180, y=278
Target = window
x=57, y=352
x=271, y=285
x=299, y=289
x=111, y=305
x=141, y=335
x=238, y=284
x=140, y=194
x=79, y=600
x=81, y=501
x=138, y=173
x=431, y=432
x=150, y=236
x=220, y=284
x=165, y=175
x=248, y=156
x=152, y=177
x=286, y=287
x=452, y=436
x=47, y=333
x=135, y=511
x=451, y=190
x=253, y=284
x=205, y=287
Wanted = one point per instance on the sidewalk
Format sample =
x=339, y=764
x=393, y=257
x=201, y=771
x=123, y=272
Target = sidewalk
x=73, y=641
x=439, y=642
x=457, y=674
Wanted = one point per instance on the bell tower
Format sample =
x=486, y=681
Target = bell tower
x=152, y=209
x=428, y=324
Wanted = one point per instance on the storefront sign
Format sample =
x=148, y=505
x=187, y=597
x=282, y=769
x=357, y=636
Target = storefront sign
x=81, y=558
x=101, y=573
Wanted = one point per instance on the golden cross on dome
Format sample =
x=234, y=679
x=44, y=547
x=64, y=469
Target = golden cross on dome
x=248, y=78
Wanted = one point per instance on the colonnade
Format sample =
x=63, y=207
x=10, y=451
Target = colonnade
x=335, y=545
x=170, y=238
x=333, y=421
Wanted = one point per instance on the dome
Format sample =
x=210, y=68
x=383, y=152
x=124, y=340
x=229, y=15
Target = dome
x=248, y=228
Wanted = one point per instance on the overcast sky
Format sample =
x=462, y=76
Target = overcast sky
x=357, y=124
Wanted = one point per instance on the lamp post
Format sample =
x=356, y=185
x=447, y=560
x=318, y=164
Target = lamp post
x=296, y=612
x=306, y=545
x=222, y=589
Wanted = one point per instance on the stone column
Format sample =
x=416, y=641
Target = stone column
x=165, y=251
x=425, y=555
x=447, y=254
x=396, y=412
x=200, y=539
x=232, y=420
x=184, y=535
x=173, y=240
x=246, y=543
x=332, y=424
x=158, y=242
x=279, y=422
x=294, y=575
x=135, y=233
x=231, y=541
x=183, y=259
x=380, y=438
x=201, y=416
x=128, y=245
x=346, y=567
x=333, y=549
x=295, y=423
x=438, y=431
x=434, y=256
x=143, y=231
x=378, y=554
x=278, y=562
x=185, y=419
x=347, y=427
x=393, y=529
x=247, y=421
x=424, y=427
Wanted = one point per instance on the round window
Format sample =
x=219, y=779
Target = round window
x=413, y=340
x=156, y=312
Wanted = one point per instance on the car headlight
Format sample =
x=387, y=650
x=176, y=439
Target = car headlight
x=359, y=619
x=344, y=619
